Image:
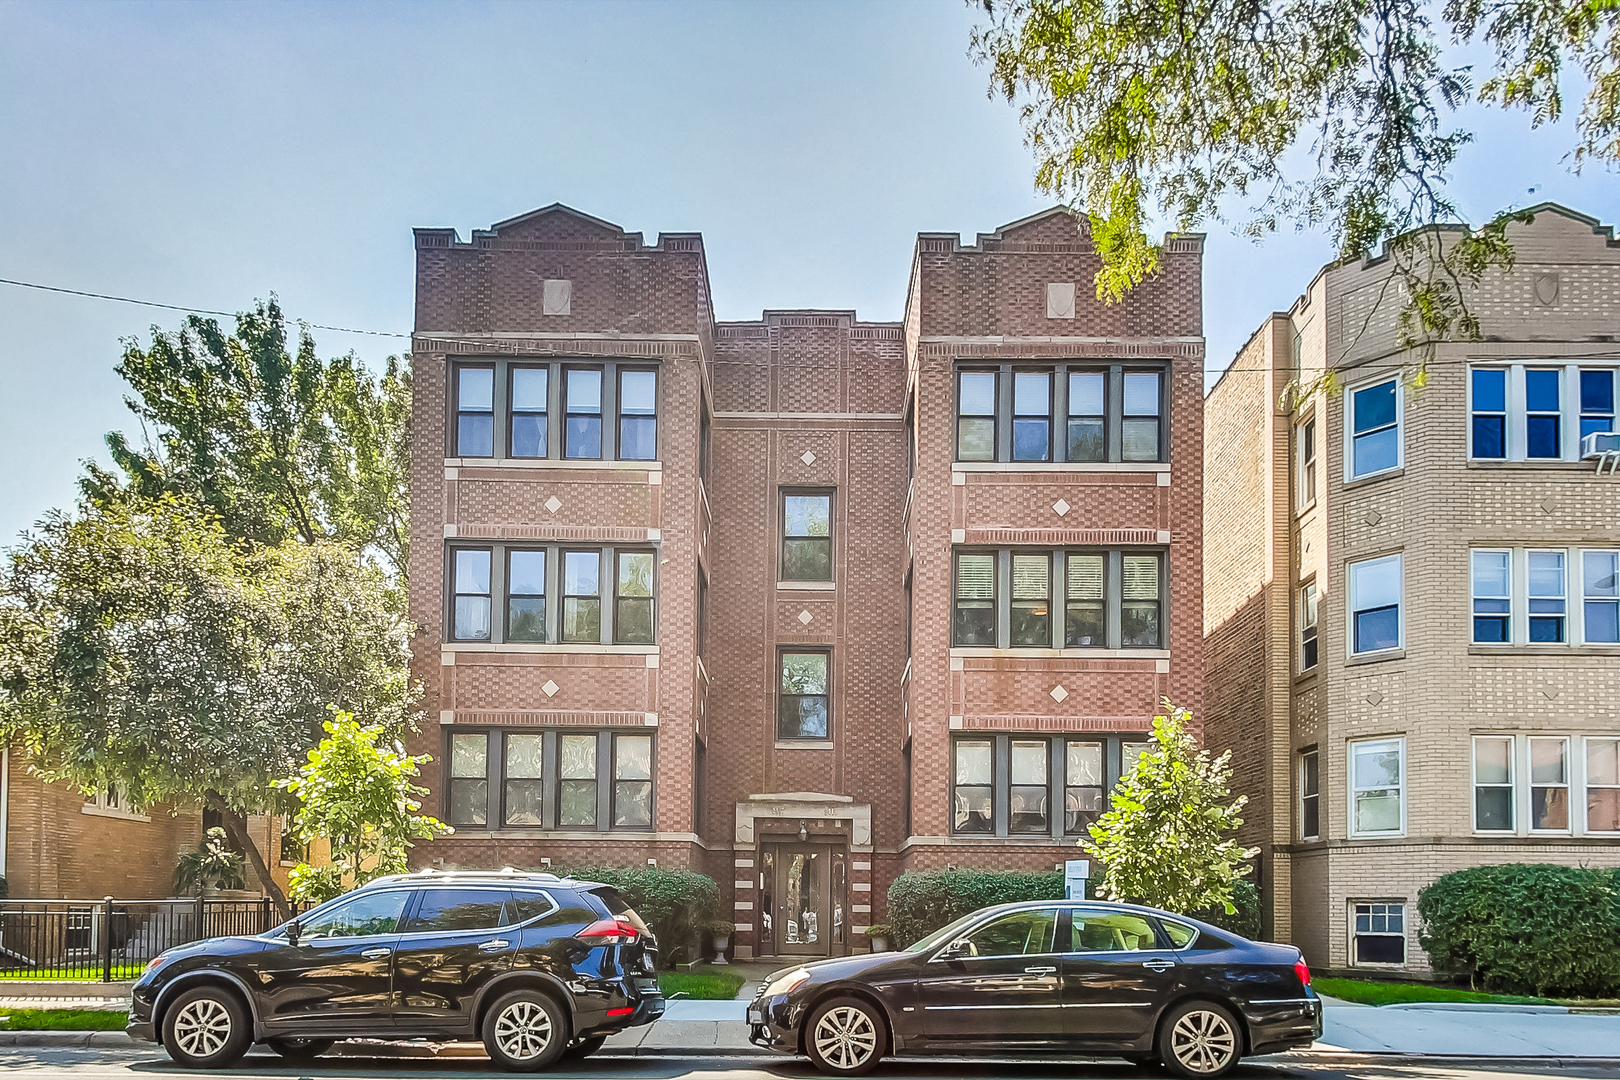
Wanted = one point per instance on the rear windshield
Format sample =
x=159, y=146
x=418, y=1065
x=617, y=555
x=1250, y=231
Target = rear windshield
x=619, y=907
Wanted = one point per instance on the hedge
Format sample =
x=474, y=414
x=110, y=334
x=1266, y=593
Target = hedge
x=1526, y=928
x=920, y=903
x=679, y=905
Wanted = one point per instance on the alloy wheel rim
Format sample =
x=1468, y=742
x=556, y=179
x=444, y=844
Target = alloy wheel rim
x=845, y=1037
x=202, y=1028
x=523, y=1030
x=1203, y=1041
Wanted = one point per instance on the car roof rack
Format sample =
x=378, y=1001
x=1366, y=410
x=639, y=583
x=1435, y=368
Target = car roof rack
x=509, y=873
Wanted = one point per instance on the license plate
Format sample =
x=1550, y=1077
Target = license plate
x=755, y=1016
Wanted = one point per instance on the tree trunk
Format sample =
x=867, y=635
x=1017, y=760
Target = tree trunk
x=236, y=827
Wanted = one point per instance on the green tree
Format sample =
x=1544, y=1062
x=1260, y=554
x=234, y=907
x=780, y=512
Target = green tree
x=142, y=646
x=1322, y=113
x=356, y=791
x=280, y=444
x=1163, y=841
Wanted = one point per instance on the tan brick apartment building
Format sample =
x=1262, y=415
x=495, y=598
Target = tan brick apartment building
x=1411, y=605
x=801, y=602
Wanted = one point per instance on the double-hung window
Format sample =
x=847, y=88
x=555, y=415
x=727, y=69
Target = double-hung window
x=1007, y=785
x=1375, y=604
x=1547, y=595
x=1549, y=784
x=535, y=409
x=807, y=536
x=1597, y=400
x=569, y=780
x=1546, y=783
x=1603, y=785
x=1378, y=787
x=1373, y=416
x=475, y=412
x=1032, y=416
x=1061, y=412
x=530, y=579
x=1380, y=933
x=1011, y=598
x=1600, y=596
x=1487, y=388
x=1493, y=783
x=1492, y=586
x=1310, y=796
x=1309, y=609
x=803, y=697
x=1543, y=413
x=1305, y=447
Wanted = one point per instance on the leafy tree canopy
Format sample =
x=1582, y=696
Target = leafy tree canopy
x=142, y=646
x=356, y=791
x=1183, y=106
x=280, y=444
x=1164, y=839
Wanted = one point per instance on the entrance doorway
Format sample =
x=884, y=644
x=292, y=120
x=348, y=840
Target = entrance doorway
x=802, y=900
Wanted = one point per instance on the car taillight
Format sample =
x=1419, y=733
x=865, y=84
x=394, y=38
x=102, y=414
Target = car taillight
x=609, y=932
x=1302, y=971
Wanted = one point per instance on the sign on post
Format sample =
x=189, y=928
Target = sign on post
x=1075, y=873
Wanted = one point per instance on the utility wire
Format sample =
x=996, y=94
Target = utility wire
x=180, y=307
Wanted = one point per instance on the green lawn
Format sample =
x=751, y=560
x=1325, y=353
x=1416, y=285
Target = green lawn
x=66, y=1020
x=1366, y=992
x=707, y=985
x=120, y=973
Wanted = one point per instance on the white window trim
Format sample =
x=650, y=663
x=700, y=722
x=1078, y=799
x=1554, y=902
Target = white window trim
x=1519, y=599
x=1350, y=610
x=1350, y=787
x=1573, y=790
x=1350, y=938
x=1580, y=821
x=1302, y=468
x=1578, y=597
x=1304, y=606
x=1512, y=599
x=1349, y=410
x=1513, y=783
x=1569, y=623
x=97, y=806
x=1507, y=407
x=1575, y=749
x=1515, y=437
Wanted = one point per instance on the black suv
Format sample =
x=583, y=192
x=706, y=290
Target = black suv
x=538, y=967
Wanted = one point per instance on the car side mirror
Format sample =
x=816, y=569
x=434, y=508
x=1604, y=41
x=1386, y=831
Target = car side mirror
x=293, y=931
x=954, y=951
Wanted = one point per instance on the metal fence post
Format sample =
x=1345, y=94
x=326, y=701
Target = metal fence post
x=202, y=913
x=264, y=915
x=106, y=939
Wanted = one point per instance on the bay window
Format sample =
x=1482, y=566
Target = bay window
x=1546, y=783
x=1522, y=596
x=1538, y=411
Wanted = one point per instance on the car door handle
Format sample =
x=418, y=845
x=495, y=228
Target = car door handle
x=1040, y=971
x=377, y=954
x=1159, y=965
x=494, y=946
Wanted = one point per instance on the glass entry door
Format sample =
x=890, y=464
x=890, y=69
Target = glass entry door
x=801, y=919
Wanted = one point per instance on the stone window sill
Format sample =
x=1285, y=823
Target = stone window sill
x=1375, y=657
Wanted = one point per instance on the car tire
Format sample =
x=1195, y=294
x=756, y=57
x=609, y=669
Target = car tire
x=1200, y=1040
x=525, y=1031
x=846, y=1036
x=583, y=1048
x=207, y=1028
x=294, y=1049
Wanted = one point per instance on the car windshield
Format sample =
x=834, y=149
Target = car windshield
x=940, y=936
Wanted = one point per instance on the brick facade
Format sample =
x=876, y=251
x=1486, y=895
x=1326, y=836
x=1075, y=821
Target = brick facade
x=1267, y=540
x=798, y=403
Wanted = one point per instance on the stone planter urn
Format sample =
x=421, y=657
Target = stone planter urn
x=722, y=941
x=882, y=939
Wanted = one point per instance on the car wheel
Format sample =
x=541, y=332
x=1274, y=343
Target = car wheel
x=584, y=1048
x=1200, y=1039
x=207, y=1028
x=300, y=1049
x=525, y=1031
x=845, y=1037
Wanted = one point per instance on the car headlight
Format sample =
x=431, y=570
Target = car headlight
x=787, y=983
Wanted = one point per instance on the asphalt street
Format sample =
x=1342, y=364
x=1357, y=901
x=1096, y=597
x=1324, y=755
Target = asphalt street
x=151, y=1064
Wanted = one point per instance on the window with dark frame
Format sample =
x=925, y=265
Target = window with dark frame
x=599, y=781
x=638, y=415
x=576, y=781
x=973, y=619
x=582, y=391
x=807, y=536
x=469, y=778
x=1031, y=600
x=973, y=794
x=1310, y=796
x=529, y=390
x=525, y=595
x=1006, y=785
x=1082, y=785
x=633, y=619
x=1030, y=790
x=632, y=781
x=976, y=416
x=1032, y=416
x=1085, y=614
x=525, y=779
x=1139, y=427
x=802, y=696
x=470, y=602
x=1088, y=416
x=582, y=596
x=1141, y=608
x=475, y=412
x=1097, y=600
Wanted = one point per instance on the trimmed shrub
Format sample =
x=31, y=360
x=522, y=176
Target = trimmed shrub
x=680, y=905
x=1526, y=928
x=1244, y=921
x=921, y=903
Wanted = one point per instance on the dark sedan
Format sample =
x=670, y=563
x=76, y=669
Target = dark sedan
x=1049, y=978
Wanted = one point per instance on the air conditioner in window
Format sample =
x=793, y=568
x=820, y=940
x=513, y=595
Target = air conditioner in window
x=1600, y=443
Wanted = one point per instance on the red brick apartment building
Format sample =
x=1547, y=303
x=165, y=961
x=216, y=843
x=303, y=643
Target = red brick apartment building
x=804, y=602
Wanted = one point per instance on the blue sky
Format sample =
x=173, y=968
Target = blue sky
x=207, y=154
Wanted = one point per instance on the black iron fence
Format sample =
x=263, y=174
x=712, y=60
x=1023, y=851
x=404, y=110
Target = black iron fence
x=112, y=940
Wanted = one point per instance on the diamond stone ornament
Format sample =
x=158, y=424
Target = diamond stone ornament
x=1058, y=693
x=1061, y=507
x=805, y=617
x=550, y=688
x=808, y=458
x=553, y=504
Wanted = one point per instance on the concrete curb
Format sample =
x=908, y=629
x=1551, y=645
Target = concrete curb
x=65, y=1038
x=1372, y=1057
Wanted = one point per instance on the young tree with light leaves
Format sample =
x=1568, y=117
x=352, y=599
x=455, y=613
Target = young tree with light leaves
x=1165, y=839
x=1330, y=114
x=355, y=790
